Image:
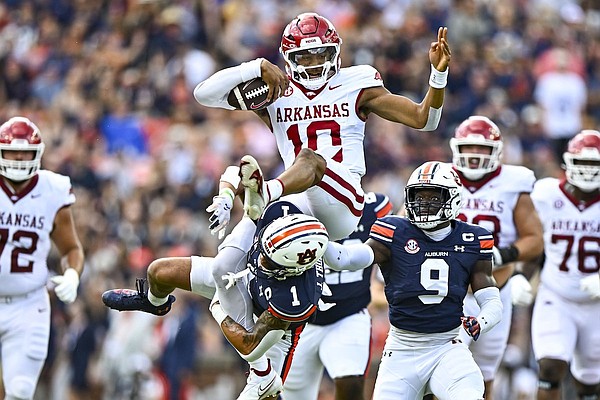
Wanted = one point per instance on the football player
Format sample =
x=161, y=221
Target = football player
x=339, y=338
x=566, y=315
x=283, y=292
x=428, y=261
x=497, y=197
x=318, y=120
x=35, y=211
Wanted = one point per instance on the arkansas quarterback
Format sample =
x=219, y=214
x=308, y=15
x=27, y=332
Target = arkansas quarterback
x=319, y=119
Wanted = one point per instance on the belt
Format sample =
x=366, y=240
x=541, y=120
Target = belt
x=17, y=297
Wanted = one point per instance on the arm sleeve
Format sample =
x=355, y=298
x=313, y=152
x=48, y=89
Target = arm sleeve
x=348, y=257
x=490, y=305
x=213, y=91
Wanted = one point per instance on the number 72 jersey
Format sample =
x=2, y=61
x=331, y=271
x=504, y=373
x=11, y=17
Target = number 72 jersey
x=426, y=281
x=571, y=238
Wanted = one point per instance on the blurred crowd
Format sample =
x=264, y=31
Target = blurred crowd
x=110, y=83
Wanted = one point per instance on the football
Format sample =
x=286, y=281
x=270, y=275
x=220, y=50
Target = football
x=249, y=95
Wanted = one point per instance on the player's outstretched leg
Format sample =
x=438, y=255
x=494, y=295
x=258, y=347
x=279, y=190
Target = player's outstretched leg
x=262, y=384
x=135, y=300
x=255, y=194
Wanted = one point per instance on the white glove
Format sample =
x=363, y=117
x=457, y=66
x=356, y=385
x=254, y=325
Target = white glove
x=67, y=285
x=221, y=213
x=591, y=285
x=520, y=291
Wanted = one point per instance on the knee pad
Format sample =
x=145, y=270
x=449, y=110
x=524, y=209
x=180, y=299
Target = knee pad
x=20, y=388
x=548, y=385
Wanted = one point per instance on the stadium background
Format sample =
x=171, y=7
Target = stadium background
x=110, y=85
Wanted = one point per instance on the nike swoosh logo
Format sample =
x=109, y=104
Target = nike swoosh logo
x=262, y=390
x=334, y=87
x=255, y=106
x=35, y=196
x=41, y=310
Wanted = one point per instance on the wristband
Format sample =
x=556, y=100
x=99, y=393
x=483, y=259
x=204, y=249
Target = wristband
x=509, y=254
x=438, y=79
x=227, y=192
x=251, y=69
x=218, y=313
x=231, y=176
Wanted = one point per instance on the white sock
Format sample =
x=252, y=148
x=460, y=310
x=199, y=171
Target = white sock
x=274, y=189
x=261, y=364
x=156, y=301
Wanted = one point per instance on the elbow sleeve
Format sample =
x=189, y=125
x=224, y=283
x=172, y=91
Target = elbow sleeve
x=213, y=91
x=490, y=305
x=348, y=257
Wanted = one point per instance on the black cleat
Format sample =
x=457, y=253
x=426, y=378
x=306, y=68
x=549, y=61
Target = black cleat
x=135, y=300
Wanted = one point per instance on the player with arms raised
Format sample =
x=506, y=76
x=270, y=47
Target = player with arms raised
x=34, y=212
x=565, y=324
x=319, y=120
x=428, y=261
x=497, y=197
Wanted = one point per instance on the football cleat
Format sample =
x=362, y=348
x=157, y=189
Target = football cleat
x=255, y=191
x=261, y=384
x=135, y=300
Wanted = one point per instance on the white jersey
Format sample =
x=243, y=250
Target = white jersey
x=325, y=120
x=26, y=221
x=491, y=202
x=571, y=238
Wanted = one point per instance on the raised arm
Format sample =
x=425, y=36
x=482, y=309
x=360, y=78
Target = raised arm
x=425, y=115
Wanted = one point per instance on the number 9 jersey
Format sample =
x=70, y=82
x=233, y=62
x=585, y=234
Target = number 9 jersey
x=426, y=281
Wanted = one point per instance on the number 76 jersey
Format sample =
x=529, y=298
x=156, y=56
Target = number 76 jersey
x=325, y=120
x=571, y=238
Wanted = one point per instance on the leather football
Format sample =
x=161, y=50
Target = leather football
x=250, y=95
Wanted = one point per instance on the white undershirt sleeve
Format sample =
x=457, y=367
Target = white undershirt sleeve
x=351, y=257
x=213, y=91
x=490, y=307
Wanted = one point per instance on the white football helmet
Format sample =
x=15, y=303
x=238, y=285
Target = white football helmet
x=19, y=133
x=582, y=160
x=477, y=131
x=433, y=175
x=311, y=34
x=291, y=245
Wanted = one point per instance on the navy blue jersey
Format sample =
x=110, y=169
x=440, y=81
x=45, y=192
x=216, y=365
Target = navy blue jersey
x=351, y=289
x=426, y=281
x=293, y=299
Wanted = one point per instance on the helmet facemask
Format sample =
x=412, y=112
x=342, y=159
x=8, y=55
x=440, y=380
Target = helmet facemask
x=583, y=170
x=313, y=76
x=427, y=214
x=19, y=134
x=444, y=187
x=475, y=166
x=480, y=131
